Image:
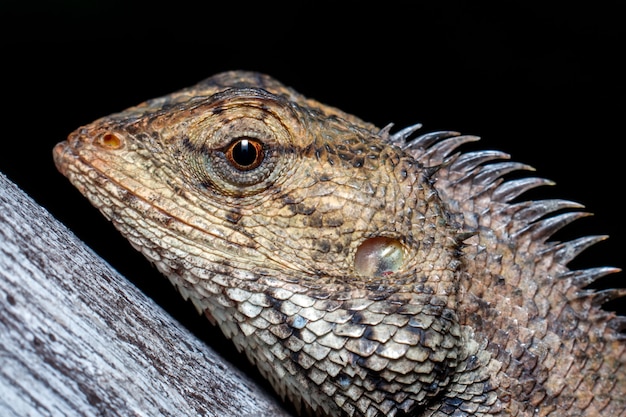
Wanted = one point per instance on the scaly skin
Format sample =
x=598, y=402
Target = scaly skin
x=365, y=273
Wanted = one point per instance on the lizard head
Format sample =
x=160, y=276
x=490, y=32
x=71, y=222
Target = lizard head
x=288, y=221
x=330, y=252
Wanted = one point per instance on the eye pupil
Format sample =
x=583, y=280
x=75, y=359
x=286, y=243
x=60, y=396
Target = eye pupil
x=245, y=154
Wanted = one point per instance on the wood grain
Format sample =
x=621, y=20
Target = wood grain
x=76, y=338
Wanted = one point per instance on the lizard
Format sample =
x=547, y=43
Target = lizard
x=364, y=271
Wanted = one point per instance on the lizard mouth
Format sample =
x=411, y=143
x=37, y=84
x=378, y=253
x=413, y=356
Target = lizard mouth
x=61, y=153
x=72, y=165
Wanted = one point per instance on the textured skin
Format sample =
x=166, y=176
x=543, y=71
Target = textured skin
x=465, y=308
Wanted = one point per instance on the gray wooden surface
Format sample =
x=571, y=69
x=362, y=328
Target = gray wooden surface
x=77, y=339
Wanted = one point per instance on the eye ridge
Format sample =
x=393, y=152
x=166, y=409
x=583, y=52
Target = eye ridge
x=245, y=153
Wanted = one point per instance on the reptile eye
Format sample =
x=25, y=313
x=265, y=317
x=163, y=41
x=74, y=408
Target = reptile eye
x=245, y=154
x=245, y=161
x=242, y=146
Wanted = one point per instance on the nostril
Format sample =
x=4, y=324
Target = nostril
x=379, y=257
x=109, y=141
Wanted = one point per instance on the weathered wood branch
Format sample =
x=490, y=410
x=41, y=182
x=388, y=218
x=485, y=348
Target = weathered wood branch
x=76, y=338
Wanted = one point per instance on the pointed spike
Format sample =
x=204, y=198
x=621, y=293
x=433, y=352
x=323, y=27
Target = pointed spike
x=438, y=152
x=594, y=297
x=463, y=236
x=547, y=227
x=427, y=139
x=429, y=172
x=566, y=251
x=486, y=178
x=431, y=196
x=583, y=277
x=618, y=324
x=400, y=137
x=491, y=172
x=533, y=210
x=384, y=132
x=470, y=160
x=509, y=190
x=543, y=229
x=604, y=296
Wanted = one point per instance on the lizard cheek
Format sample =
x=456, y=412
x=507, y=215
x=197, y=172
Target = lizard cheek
x=379, y=257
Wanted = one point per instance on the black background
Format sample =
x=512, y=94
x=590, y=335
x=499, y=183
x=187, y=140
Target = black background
x=542, y=82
